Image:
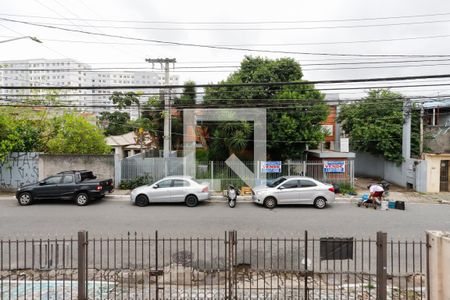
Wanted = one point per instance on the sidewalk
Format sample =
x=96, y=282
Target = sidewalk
x=410, y=197
x=407, y=196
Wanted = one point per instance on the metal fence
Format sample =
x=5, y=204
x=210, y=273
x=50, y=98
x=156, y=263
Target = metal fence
x=153, y=167
x=220, y=171
x=228, y=266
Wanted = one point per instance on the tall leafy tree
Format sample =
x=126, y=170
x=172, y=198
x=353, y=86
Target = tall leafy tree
x=186, y=100
x=375, y=124
x=188, y=95
x=72, y=134
x=125, y=100
x=289, y=129
x=21, y=131
x=115, y=123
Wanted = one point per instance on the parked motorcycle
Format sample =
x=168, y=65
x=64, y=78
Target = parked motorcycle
x=232, y=194
x=386, y=185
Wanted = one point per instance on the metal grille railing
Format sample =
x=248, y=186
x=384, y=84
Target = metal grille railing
x=138, y=266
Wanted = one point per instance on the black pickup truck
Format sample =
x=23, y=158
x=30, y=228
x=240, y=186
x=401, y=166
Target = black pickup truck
x=78, y=185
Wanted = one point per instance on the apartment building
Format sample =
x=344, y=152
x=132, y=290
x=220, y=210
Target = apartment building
x=69, y=72
x=43, y=72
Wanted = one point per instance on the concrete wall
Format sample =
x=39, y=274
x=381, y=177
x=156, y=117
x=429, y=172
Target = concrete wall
x=439, y=264
x=19, y=169
x=101, y=165
x=437, y=138
x=368, y=165
x=394, y=173
x=421, y=176
x=434, y=171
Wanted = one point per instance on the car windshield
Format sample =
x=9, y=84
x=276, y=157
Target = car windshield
x=276, y=182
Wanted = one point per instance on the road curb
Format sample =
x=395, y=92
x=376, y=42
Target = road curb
x=220, y=199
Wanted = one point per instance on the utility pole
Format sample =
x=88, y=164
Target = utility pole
x=421, y=132
x=167, y=114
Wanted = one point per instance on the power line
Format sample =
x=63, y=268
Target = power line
x=233, y=22
x=223, y=66
x=255, y=140
x=260, y=44
x=249, y=28
x=275, y=103
x=217, y=47
x=225, y=85
x=321, y=89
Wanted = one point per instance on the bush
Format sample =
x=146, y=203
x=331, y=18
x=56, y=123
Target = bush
x=201, y=155
x=136, y=182
x=346, y=188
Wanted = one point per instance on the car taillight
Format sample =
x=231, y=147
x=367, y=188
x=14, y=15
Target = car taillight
x=99, y=188
x=331, y=189
x=205, y=189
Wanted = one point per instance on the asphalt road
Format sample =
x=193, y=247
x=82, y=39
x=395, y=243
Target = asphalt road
x=114, y=216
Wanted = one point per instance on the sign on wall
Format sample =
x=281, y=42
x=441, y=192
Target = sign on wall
x=330, y=166
x=271, y=166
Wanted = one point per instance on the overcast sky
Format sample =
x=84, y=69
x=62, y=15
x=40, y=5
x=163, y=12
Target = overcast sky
x=233, y=23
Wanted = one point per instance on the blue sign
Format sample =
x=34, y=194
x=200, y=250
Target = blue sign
x=334, y=166
x=271, y=166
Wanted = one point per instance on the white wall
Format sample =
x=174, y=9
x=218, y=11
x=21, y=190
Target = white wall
x=394, y=173
x=439, y=264
x=421, y=176
x=369, y=165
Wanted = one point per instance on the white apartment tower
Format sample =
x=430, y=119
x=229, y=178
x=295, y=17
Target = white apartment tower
x=69, y=72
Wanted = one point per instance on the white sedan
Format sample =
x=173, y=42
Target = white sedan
x=172, y=189
x=294, y=190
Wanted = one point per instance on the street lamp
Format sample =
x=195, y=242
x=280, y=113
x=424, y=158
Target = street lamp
x=33, y=38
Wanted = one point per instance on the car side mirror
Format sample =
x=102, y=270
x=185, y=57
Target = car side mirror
x=281, y=188
x=155, y=186
x=42, y=182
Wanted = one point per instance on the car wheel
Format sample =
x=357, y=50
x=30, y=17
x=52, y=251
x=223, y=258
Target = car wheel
x=191, y=201
x=270, y=202
x=141, y=200
x=82, y=199
x=320, y=202
x=25, y=199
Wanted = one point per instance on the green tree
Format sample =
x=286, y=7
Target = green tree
x=72, y=134
x=188, y=96
x=375, y=124
x=290, y=129
x=9, y=138
x=115, y=123
x=125, y=100
x=186, y=100
x=20, y=131
x=235, y=137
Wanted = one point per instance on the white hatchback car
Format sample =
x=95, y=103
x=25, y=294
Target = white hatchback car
x=294, y=190
x=172, y=189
